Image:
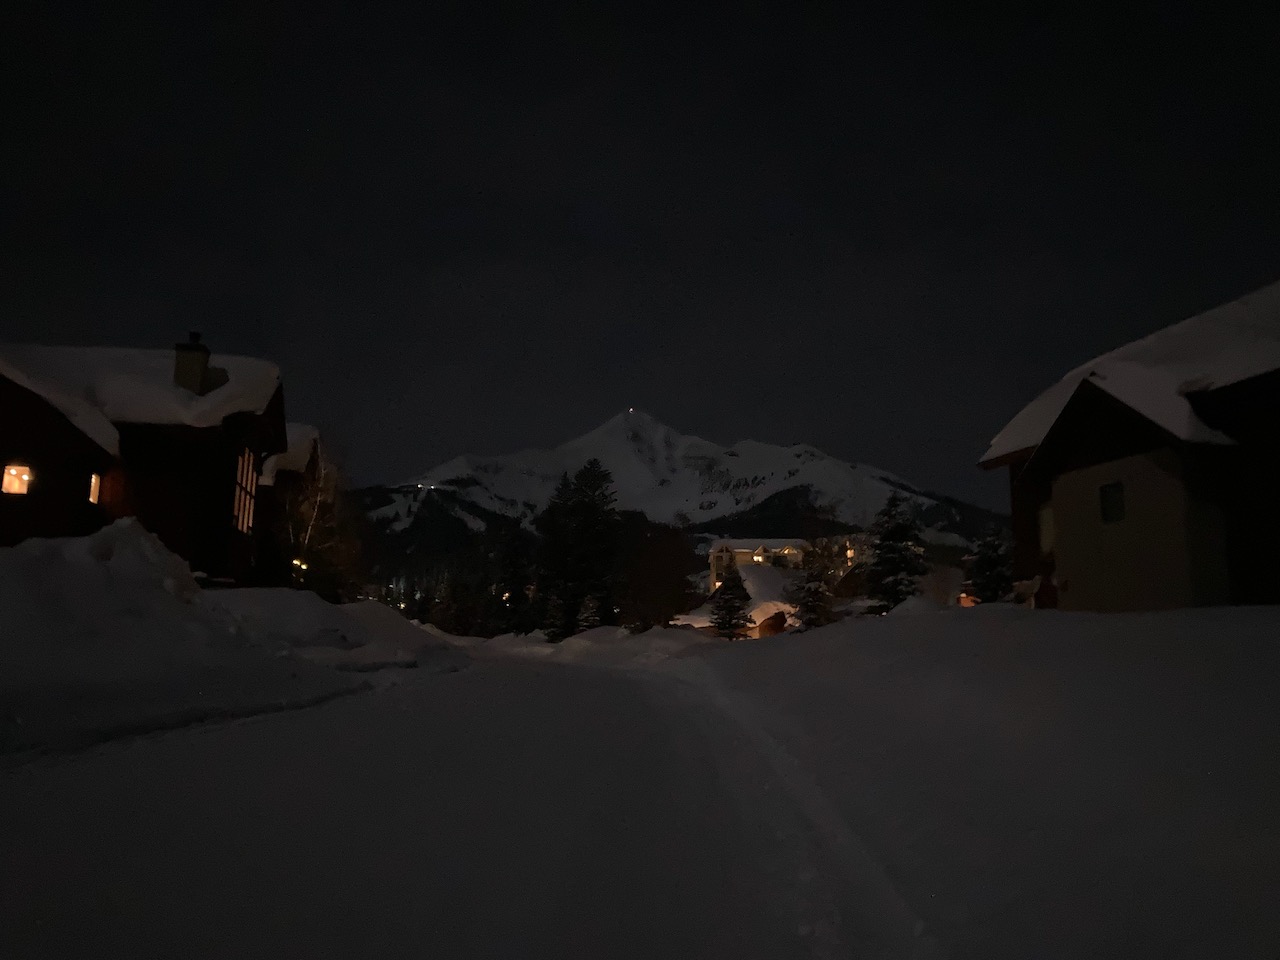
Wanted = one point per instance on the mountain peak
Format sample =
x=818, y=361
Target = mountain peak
x=669, y=476
x=632, y=426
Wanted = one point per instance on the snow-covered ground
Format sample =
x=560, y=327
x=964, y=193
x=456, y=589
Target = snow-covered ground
x=1003, y=782
x=988, y=783
x=109, y=634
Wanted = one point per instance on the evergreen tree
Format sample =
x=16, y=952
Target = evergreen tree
x=991, y=575
x=577, y=556
x=811, y=596
x=596, y=530
x=894, y=572
x=654, y=566
x=589, y=613
x=555, y=619
x=555, y=560
x=729, y=606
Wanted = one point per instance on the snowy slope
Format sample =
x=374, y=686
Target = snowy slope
x=657, y=471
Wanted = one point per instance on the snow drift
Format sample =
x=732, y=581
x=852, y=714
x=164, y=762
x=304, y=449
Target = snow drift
x=110, y=634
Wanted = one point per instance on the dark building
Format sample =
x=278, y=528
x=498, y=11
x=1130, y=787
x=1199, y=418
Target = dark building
x=1148, y=478
x=290, y=487
x=60, y=461
x=176, y=437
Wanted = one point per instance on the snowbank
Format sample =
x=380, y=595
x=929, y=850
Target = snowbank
x=603, y=646
x=110, y=634
x=358, y=636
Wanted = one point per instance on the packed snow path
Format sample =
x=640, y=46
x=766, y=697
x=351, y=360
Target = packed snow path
x=511, y=810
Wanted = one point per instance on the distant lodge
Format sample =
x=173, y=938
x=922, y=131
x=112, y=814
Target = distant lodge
x=1147, y=478
x=177, y=438
x=787, y=553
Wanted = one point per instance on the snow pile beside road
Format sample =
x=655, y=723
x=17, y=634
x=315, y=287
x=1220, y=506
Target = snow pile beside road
x=358, y=636
x=1041, y=784
x=602, y=646
x=109, y=634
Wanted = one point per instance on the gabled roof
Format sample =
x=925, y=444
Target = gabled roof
x=125, y=385
x=87, y=418
x=302, y=440
x=1154, y=375
x=773, y=544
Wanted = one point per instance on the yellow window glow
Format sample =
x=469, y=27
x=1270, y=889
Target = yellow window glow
x=95, y=486
x=17, y=478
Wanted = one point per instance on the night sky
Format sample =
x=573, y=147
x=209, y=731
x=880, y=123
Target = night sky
x=877, y=236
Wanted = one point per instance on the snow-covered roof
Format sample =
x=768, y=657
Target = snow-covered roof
x=774, y=544
x=302, y=440
x=126, y=385
x=86, y=417
x=1222, y=346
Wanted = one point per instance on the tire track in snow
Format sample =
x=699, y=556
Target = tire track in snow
x=843, y=900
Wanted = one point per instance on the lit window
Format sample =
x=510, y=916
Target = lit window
x=758, y=558
x=17, y=478
x=1111, y=500
x=95, y=487
x=246, y=487
x=1047, y=530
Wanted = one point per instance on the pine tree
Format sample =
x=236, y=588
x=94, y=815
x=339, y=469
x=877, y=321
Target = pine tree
x=556, y=623
x=577, y=556
x=991, y=575
x=729, y=606
x=654, y=564
x=811, y=597
x=894, y=572
x=589, y=613
x=555, y=561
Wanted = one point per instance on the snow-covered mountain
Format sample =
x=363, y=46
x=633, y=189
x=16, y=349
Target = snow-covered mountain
x=670, y=477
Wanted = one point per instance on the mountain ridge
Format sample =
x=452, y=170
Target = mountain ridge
x=672, y=478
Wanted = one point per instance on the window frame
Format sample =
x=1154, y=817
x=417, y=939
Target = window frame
x=14, y=479
x=1111, y=502
x=246, y=490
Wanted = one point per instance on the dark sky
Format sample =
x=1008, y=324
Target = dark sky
x=879, y=236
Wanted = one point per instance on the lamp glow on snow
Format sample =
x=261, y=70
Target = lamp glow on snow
x=17, y=478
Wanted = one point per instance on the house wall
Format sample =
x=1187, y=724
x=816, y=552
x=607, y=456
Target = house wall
x=1092, y=430
x=1028, y=492
x=1247, y=483
x=1168, y=550
x=181, y=483
x=1253, y=525
x=37, y=434
x=720, y=560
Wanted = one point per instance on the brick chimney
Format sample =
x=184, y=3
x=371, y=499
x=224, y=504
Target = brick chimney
x=191, y=364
